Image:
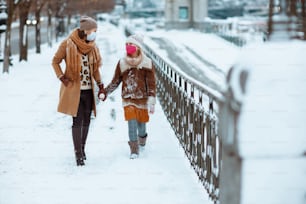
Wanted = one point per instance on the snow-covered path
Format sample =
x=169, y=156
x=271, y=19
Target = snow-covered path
x=36, y=152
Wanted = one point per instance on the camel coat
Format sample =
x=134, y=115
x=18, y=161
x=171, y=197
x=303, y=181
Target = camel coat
x=69, y=97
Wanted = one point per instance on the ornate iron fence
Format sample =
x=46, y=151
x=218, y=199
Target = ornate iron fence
x=191, y=109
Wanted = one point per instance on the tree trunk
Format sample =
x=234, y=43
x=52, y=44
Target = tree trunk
x=37, y=32
x=24, y=8
x=303, y=18
x=7, y=50
x=49, y=25
x=39, y=4
x=7, y=44
x=23, y=39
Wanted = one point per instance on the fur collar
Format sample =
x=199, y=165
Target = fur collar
x=140, y=62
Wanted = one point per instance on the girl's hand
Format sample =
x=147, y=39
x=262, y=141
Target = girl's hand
x=151, y=109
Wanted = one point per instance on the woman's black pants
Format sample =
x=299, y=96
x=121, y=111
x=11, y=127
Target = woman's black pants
x=80, y=124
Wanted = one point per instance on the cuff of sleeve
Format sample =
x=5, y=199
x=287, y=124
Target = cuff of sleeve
x=151, y=100
x=99, y=83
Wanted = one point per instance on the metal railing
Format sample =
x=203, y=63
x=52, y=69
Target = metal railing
x=191, y=109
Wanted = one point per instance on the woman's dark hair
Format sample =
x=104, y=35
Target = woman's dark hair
x=82, y=34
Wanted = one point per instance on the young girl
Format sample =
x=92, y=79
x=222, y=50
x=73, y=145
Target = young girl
x=136, y=72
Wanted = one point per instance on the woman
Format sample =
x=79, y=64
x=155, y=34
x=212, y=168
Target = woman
x=83, y=60
x=136, y=72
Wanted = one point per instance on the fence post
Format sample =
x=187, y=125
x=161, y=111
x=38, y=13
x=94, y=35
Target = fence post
x=230, y=173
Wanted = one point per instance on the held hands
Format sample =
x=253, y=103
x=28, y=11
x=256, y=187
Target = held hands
x=64, y=80
x=102, y=95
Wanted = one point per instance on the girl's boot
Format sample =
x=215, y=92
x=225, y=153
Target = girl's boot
x=142, y=140
x=134, y=149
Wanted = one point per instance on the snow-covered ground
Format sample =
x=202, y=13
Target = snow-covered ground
x=36, y=152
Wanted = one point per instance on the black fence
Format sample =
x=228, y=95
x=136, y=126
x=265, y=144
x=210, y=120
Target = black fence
x=191, y=108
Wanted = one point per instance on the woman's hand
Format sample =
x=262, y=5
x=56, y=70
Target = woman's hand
x=64, y=80
x=102, y=95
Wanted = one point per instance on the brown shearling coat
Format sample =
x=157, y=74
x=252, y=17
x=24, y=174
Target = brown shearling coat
x=69, y=96
x=138, y=84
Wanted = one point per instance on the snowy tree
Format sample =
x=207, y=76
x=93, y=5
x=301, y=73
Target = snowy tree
x=11, y=7
x=38, y=6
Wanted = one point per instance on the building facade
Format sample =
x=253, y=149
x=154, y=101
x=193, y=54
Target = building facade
x=182, y=14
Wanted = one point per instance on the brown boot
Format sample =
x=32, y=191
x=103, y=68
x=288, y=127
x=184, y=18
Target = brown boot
x=142, y=140
x=134, y=149
x=84, y=138
x=77, y=142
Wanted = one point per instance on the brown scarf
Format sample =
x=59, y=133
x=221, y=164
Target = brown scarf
x=76, y=47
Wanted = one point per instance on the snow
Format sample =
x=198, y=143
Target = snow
x=277, y=180
x=3, y=15
x=212, y=48
x=274, y=101
x=202, y=56
x=271, y=128
x=209, y=54
x=36, y=151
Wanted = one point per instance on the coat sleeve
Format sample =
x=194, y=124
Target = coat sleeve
x=58, y=57
x=151, y=82
x=117, y=79
x=97, y=77
x=96, y=72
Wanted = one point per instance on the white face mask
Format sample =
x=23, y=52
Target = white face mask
x=91, y=36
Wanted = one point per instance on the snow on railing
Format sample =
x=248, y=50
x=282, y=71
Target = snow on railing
x=191, y=109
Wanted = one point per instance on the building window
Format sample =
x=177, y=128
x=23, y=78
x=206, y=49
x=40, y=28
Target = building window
x=183, y=13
